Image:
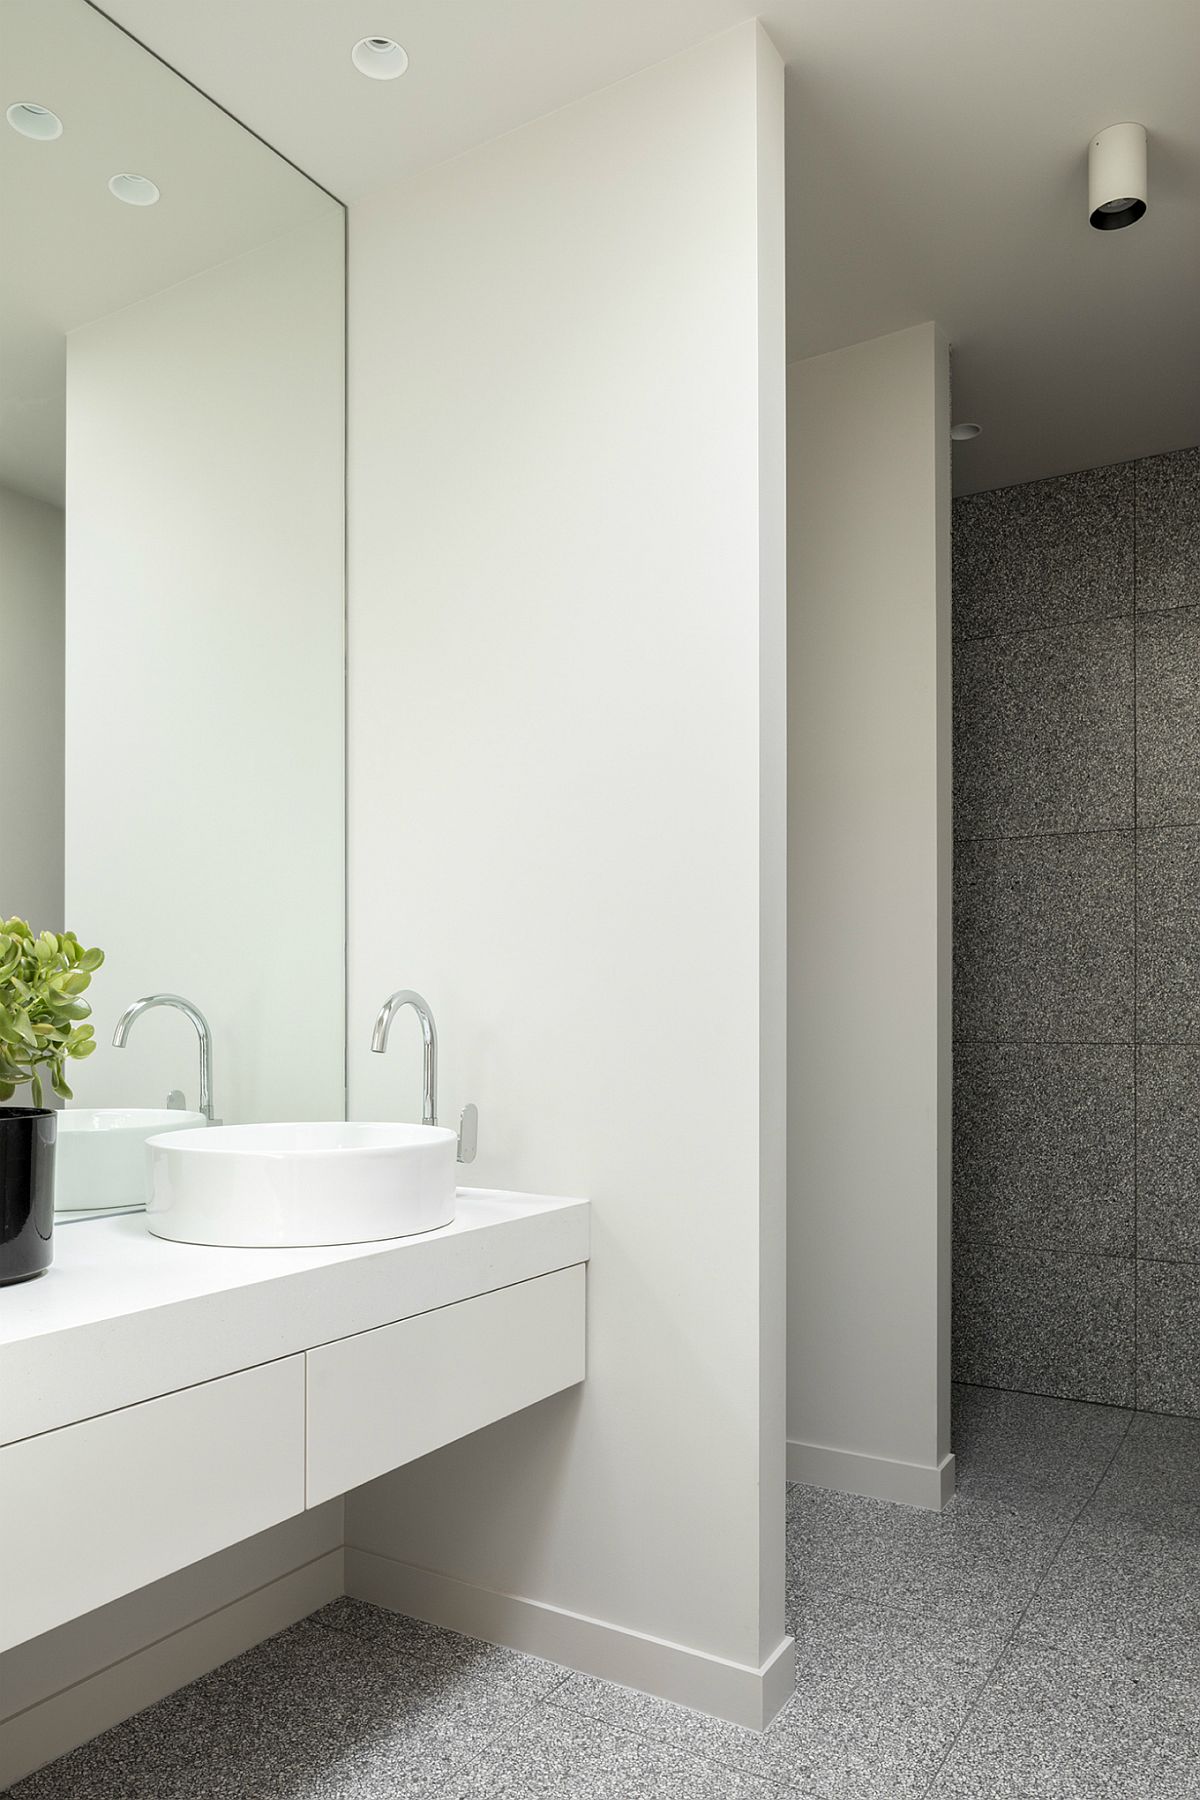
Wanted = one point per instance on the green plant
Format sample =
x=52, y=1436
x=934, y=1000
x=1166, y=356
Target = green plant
x=41, y=1012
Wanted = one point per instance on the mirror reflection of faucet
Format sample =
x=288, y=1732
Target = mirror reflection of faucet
x=468, y=1125
x=175, y=1098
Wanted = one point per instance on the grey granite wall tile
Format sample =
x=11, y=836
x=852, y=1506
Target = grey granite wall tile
x=1168, y=1338
x=1043, y=1146
x=1046, y=927
x=1168, y=1152
x=1168, y=529
x=1043, y=939
x=1168, y=718
x=1046, y=553
x=1044, y=1321
x=1168, y=935
x=1043, y=731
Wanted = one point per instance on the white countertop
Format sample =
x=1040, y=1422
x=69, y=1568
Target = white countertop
x=122, y=1316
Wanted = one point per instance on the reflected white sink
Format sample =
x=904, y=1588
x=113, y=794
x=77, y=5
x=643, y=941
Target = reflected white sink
x=264, y=1186
x=100, y=1162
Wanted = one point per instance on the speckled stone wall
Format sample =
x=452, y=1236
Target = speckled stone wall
x=1077, y=935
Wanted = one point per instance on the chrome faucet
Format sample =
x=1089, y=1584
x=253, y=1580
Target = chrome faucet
x=121, y=1037
x=468, y=1125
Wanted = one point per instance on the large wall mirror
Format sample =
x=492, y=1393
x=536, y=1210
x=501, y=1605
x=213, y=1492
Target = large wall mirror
x=171, y=582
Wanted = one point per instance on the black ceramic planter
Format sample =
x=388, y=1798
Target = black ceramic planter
x=27, y=1135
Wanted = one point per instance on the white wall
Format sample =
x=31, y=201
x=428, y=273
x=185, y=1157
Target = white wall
x=869, y=913
x=567, y=825
x=205, y=662
x=31, y=654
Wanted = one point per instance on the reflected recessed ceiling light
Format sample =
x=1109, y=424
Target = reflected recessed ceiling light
x=380, y=58
x=134, y=190
x=34, y=121
x=962, y=433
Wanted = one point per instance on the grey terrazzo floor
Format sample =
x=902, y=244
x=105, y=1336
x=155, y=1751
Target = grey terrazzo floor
x=1039, y=1640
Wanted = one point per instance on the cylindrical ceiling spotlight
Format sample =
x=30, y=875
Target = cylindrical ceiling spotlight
x=1117, y=177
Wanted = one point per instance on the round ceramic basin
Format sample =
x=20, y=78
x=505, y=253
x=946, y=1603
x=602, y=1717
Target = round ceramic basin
x=281, y=1186
x=100, y=1162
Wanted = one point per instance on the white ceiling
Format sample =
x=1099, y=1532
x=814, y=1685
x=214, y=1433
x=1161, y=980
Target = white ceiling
x=70, y=251
x=936, y=162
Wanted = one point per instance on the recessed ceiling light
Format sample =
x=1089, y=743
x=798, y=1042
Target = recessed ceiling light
x=134, y=190
x=379, y=57
x=962, y=434
x=34, y=121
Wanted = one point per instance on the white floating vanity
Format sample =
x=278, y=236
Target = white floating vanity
x=160, y=1400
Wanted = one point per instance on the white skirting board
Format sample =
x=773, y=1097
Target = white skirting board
x=742, y=1694
x=880, y=1477
x=61, y=1721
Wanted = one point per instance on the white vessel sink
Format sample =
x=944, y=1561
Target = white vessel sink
x=282, y=1186
x=100, y=1162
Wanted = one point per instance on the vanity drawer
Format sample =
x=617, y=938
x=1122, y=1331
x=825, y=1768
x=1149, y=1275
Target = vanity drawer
x=94, y=1510
x=387, y=1396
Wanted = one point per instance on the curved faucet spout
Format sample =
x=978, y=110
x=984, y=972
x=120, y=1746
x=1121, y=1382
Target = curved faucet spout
x=121, y=1037
x=379, y=1042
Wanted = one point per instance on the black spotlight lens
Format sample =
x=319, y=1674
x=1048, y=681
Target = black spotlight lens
x=1115, y=214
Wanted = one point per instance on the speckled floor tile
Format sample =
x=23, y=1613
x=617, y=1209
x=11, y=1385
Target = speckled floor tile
x=901, y=1618
x=1169, y=1337
x=267, y=1723
x=1120, y=1584
x=1044, y=553
x=1156, y=1470
x=880, y=1695
x=553, y=1756
x=1043, y=939
x=1016, y=1443
x=1168, y=529
x=1044, y=1146
x=284, y=1721
x=379, y=1625
x=1128, y=1575
x=463, y=1675
x=1045, y=1321
x=1043, y=731
x=1168, y=716
x=977, y=1563
x=1053, y=1726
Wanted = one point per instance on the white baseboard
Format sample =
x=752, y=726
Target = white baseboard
x=849, y=1472
x=71, y=1717
x=734, y=1691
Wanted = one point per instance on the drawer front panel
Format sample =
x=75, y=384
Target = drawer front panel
x=94, y=1510
x=385, y=1397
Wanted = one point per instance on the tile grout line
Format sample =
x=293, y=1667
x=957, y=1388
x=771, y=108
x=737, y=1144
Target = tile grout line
x=1088, y=622
x=980, y=1043
x=1051, y=834
x=973, y=1707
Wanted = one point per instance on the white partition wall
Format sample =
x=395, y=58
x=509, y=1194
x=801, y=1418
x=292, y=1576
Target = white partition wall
x=567, y=830
x=869, y=919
